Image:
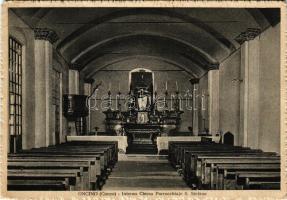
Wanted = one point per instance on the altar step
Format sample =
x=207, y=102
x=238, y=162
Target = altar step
x=141, y=141
x=138, y=148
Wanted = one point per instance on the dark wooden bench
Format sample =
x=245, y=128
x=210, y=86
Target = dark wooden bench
x=258, y=180
x=70, y=166
x=225, y=173
x=82, y=166
x=207, y=165
x=192, y=164
x=73, y=179
x=38, y=185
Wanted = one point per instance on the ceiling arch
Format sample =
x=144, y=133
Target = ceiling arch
x=99, y=66
x=196, y=39
x=142, y=35
x=140, y=11
x=146, y=44
x=186, y=33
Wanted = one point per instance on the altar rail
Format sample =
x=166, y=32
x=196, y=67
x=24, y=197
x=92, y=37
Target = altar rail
x=122, y=140
x=162, y=142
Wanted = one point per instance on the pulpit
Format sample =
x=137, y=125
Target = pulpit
x=76, y=111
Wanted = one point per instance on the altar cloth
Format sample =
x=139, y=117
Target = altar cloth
x=162, y=142
x=122, y=140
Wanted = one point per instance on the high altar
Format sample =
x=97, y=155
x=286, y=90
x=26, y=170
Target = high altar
x=143, y=121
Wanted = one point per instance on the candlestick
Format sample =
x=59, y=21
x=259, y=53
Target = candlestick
x=109, y=100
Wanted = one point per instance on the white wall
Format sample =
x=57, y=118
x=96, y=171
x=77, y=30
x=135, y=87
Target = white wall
x=266, y=133
x=269, y=129
x=229, y=95
x=203, y=100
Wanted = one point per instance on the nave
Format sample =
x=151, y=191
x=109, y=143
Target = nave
x=144, y=172
x=189, y=165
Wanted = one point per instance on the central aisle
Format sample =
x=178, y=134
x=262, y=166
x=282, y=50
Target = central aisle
x=144, y=172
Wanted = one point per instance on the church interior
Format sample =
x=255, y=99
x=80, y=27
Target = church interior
x=143, y=98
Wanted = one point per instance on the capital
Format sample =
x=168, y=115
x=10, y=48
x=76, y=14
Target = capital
x=45, y=34
x=89, y=80
x=75, y=66
x=194, y=81
x=247, y=35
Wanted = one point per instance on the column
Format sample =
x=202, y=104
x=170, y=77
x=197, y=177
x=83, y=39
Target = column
x=213, y=88
x=74, y=81
x=249, y=88
x=195, y=107
x=74, y=87
x=44, y=38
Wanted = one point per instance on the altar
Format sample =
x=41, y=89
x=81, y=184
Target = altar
x=142, y=121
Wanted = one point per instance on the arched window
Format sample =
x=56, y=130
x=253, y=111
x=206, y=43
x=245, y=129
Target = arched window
x=15, y=94
x=149, y=78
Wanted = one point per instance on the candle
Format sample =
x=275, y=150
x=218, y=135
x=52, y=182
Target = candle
x=109, y=86
x=155, y=87
x=176, y=85
x=166, y=85
x=203, y=103
x=119, y=86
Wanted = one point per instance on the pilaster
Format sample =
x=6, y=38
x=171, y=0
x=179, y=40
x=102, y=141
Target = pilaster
x=43, y=51
x=213, y=88
x=249, y=89
x=195, y=106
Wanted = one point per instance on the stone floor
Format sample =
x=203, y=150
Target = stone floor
x=144, y=172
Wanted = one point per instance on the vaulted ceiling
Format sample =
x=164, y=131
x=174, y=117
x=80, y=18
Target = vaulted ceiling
x=195, y=40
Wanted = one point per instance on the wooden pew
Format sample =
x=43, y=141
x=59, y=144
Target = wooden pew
x=76, y=179
x=72, y=166
x=72, y=178
x=37, y=185
x=198, y=162
x=82, y=167
x=193, y=160
x=220, y=151
x=97, y=158
x=113, y=146
x=107, y=161
x=57, y=151
x=96, y=172
x=258, y=180
x=92, y=178
x=208, y=165
x=225, y=173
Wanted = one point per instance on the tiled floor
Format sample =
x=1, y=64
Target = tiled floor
x=144, y=172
